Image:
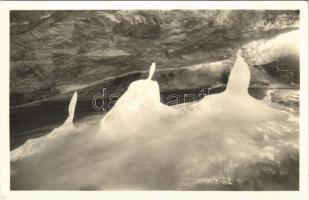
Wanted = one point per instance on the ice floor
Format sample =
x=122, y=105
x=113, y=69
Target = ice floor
x=226, y=141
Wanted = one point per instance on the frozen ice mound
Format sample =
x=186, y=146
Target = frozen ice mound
x=35, y=145
x=138, y=108
x=226, y=141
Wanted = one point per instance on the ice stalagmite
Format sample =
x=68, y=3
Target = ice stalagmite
x=35, y=145
x=235, y=97
x=138, y=105
x=151, y=71
x=71, y=110
x=239, y=78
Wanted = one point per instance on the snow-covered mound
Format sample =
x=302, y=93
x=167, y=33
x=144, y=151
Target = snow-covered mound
x=226, y=141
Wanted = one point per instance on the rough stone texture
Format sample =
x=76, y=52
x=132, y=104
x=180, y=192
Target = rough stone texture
x=53, y=52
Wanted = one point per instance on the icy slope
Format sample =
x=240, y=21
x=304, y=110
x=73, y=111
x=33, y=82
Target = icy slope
x=227, y=141
x=34, y=145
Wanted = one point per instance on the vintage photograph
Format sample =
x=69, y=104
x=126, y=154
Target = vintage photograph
x=154, y=100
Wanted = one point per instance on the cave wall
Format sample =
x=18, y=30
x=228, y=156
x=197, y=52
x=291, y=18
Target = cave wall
x=53, y=51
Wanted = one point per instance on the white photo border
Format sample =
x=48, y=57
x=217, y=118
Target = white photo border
x=6, y=7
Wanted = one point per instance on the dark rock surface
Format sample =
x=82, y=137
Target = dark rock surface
x=53, y=52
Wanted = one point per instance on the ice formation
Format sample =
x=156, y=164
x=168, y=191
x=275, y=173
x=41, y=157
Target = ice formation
x=236, y=98
x=35, y=145
x=71, y=111
x=140, y=104
x=282, y=46
x=143, y=144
